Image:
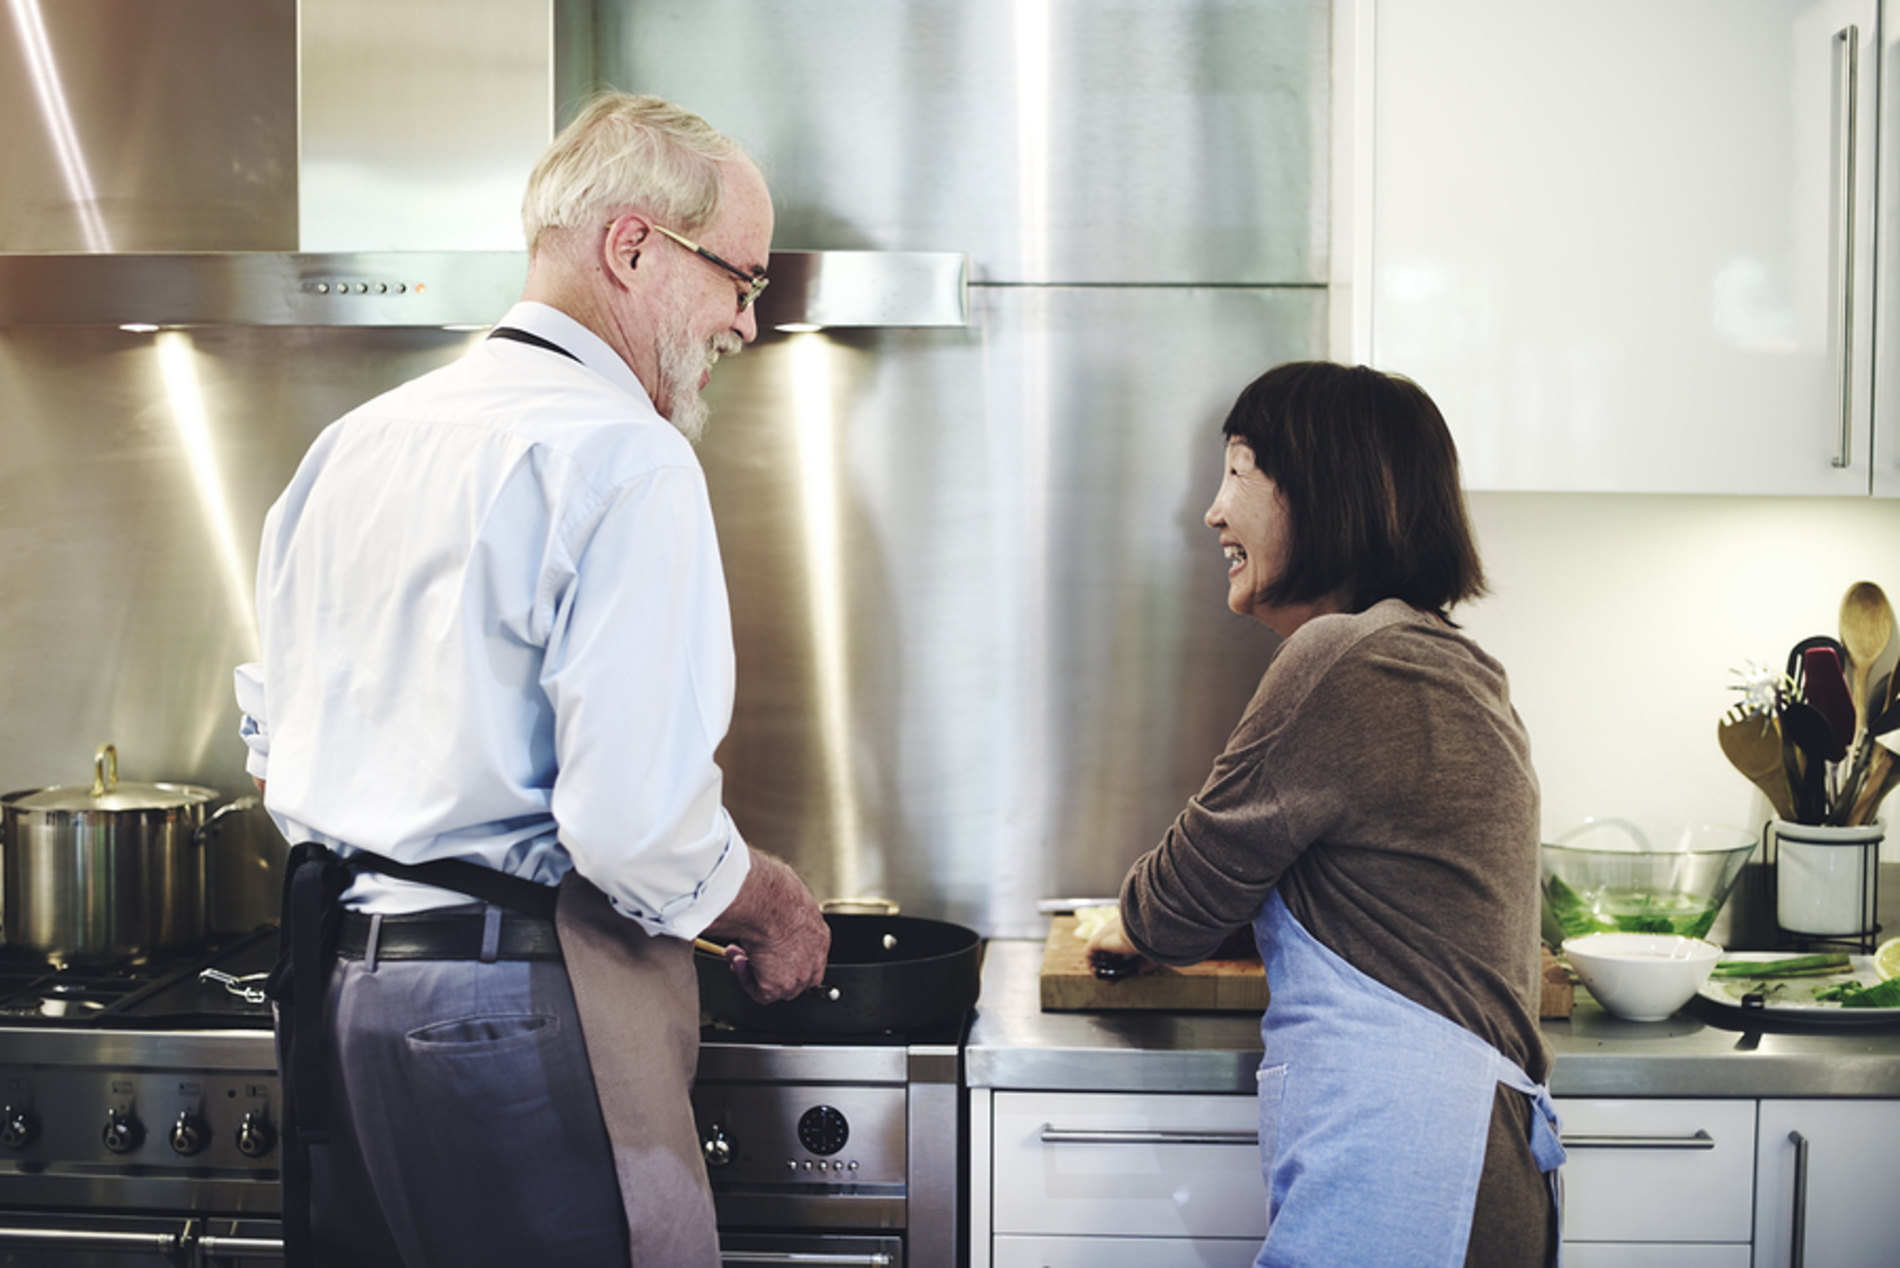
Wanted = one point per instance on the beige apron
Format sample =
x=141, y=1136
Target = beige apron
x=638, y=998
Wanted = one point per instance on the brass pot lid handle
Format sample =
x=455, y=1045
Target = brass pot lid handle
x=105, y=770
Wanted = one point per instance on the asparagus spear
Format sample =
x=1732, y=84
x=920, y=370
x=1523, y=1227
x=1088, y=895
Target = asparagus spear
x=1793, y=966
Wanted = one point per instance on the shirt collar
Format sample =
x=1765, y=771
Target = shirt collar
x=589, y=348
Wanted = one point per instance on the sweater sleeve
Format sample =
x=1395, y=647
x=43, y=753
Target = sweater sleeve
x=1271, y=792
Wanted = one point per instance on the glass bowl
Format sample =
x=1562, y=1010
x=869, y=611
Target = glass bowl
x=1631, y=876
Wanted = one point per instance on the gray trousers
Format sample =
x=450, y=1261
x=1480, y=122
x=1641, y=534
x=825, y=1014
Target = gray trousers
x=464, y=1126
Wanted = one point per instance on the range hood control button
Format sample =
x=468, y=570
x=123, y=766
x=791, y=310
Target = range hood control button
x=124, y=1132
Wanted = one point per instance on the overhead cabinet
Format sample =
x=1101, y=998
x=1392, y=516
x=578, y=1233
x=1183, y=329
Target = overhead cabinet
x=1628, y=246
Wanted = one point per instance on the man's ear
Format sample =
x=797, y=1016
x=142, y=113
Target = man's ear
x=620, y=248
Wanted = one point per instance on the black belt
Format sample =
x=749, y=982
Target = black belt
x=436, y=935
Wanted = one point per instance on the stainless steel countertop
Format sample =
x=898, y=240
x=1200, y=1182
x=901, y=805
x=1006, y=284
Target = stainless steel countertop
x=1701, y=1052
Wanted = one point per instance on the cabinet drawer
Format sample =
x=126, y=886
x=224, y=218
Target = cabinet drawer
x=1124, y=1164
x=1658, y=1171
x=1128, y=1252
x=1657, y=1255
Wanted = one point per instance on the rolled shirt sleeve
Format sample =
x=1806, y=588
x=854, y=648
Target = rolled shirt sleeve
x=252, y=727
x=639, y=672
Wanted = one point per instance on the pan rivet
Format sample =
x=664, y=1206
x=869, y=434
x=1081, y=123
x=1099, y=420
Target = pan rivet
x=890, y=941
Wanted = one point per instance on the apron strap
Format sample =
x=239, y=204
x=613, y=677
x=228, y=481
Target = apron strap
x=529, y=337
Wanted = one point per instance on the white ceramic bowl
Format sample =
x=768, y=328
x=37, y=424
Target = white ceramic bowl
x=1641, y=976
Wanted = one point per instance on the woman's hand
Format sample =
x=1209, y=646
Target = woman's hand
x=1110, y=954
x=1109, y=936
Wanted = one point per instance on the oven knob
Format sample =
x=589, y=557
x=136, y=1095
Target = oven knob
x=18, y=1127
x=717, y=1146
x=189, y=1134
x=254, y=1136
x=124, y=1132
x=823, y=1130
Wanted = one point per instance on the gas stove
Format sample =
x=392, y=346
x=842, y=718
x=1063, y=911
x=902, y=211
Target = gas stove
x=138, y=1105
x=140, y=1111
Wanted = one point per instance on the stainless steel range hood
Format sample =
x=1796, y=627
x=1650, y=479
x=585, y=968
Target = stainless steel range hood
x=810, y=289
x=381, y=191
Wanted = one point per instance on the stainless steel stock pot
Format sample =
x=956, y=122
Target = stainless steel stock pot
x=105, y=871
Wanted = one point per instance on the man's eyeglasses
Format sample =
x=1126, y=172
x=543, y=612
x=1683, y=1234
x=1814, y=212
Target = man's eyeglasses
x=752, y=283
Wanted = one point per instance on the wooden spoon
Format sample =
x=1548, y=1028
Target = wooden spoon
x=1753, y=746
x=1882, y=775
x=1866, y=627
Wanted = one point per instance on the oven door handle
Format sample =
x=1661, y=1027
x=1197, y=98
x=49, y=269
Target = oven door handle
x=811, y=1259
x=268, y=1247
x=91, y=1239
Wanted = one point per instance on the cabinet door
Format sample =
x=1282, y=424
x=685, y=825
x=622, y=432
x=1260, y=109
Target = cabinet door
x=1658, y=1171
x=1826, y=1172
x=1887, y=282
x=1613, y=240
x=1153, y=1165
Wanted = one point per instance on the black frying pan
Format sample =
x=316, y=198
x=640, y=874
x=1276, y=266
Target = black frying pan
x=894, y=973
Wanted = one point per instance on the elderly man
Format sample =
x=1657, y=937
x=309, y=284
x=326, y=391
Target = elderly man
x=497, y=660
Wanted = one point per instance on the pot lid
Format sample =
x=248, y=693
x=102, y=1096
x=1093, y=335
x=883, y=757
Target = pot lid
x=107, y=793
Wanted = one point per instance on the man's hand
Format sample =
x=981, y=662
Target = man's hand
x=777, y=933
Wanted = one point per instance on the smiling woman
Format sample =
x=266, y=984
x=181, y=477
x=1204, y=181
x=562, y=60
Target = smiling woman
x=1374, y=817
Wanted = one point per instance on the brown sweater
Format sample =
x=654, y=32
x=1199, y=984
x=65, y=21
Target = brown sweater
x=1381, y=779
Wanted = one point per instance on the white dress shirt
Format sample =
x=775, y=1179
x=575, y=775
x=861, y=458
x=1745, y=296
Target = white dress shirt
x=495, y=628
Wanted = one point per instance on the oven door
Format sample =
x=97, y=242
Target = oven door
x=92, y=1239
x=809, y=1250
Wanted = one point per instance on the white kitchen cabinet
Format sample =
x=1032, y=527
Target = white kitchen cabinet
x=1627, y=245
x=1664, y=1182
x=1824, y=1175
x=1072, y=1178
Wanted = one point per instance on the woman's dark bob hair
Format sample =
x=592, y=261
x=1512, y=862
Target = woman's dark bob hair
x=1370, y=477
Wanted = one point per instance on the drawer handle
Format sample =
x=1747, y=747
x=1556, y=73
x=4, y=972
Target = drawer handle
x=1798, y=1247
x=1086, y=1136
x=1701, y=1140
x=809, y=1259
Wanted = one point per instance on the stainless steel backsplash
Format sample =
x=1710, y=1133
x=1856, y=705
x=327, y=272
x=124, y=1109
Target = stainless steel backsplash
x=983, y=650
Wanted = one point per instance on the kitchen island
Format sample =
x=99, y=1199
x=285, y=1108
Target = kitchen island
x=1126, y=1137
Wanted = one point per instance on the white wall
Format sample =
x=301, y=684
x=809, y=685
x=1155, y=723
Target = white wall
x=1620, y=619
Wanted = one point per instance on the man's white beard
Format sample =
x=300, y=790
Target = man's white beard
x=682, y=362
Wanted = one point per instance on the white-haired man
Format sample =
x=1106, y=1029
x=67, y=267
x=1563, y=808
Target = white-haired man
x=496, y=662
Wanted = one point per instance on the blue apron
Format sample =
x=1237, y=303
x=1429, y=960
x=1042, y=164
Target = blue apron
x=1374, y=1113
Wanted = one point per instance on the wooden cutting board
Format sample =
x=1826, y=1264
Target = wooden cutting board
x=1068, y=985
